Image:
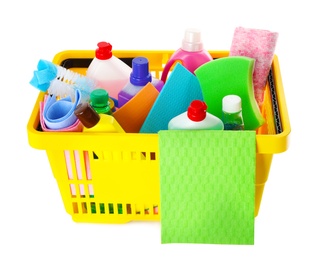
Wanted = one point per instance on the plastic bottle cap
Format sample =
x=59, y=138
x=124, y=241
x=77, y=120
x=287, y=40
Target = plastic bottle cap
x=99, y=98
x=87, y=115
x=103, y=52
x=140, y=74
x=192, y=41
x=231, y=104
x=197, y=110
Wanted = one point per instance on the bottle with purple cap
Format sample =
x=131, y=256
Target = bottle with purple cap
x=139, y=78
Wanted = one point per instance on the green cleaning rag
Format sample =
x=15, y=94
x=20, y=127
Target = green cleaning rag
x=207, y=186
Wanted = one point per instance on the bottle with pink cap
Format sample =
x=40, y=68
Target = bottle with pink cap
x=196, y=118
x=110, y=72
x=191, y=54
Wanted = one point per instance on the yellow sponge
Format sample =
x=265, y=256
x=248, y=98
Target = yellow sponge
x=230, y=75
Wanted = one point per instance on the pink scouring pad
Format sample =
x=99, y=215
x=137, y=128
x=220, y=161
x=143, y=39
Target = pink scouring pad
x=259, y=45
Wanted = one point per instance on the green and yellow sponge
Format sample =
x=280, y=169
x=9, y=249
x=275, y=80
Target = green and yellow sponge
x=230, y=75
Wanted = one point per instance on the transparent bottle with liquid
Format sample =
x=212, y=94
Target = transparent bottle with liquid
x=108, y=71
x=232, y=113
x=191, y=54
x=196, y=118
x=139, y=77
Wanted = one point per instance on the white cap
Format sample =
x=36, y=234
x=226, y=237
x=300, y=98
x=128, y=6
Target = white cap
x=192, y=40
x=231, y=104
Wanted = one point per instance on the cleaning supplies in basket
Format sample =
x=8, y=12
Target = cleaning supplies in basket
x=191, y=54
x=111, y=73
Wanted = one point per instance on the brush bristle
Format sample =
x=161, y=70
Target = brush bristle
x=68, y=81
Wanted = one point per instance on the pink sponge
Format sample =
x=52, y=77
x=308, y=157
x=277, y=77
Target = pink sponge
x=259, y=45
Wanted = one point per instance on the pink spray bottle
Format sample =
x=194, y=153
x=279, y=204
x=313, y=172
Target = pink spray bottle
x=191, y=54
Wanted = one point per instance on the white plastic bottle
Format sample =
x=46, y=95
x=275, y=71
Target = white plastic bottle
x=196, y=118
x=111, y=73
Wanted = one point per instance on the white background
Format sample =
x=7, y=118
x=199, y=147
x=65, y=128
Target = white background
x=33, y=222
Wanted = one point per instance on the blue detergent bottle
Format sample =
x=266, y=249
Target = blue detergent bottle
x=139, y=77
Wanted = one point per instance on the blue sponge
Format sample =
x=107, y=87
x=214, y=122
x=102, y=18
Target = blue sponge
x=180, y=89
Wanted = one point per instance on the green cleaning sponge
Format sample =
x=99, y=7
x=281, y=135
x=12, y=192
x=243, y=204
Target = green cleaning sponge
x=226, y=76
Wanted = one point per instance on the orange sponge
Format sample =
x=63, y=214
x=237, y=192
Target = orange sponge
x=132, y=114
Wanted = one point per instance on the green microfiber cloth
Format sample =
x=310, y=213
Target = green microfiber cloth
x=230, y=75
x=207, y=186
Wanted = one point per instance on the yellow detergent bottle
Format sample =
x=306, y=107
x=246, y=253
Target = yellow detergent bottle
x=94, y=122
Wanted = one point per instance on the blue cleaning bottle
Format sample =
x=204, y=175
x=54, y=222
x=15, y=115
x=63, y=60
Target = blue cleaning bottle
x=139, y=77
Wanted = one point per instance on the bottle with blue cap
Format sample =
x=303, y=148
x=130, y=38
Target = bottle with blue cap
x=139, y=78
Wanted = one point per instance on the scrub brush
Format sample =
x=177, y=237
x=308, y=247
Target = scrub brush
x=61, y=82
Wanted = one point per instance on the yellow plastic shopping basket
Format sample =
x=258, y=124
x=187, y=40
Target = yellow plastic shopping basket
x=114, y=178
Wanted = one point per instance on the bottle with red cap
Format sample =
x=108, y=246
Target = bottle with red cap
x=196, y=118
x=110, y=72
